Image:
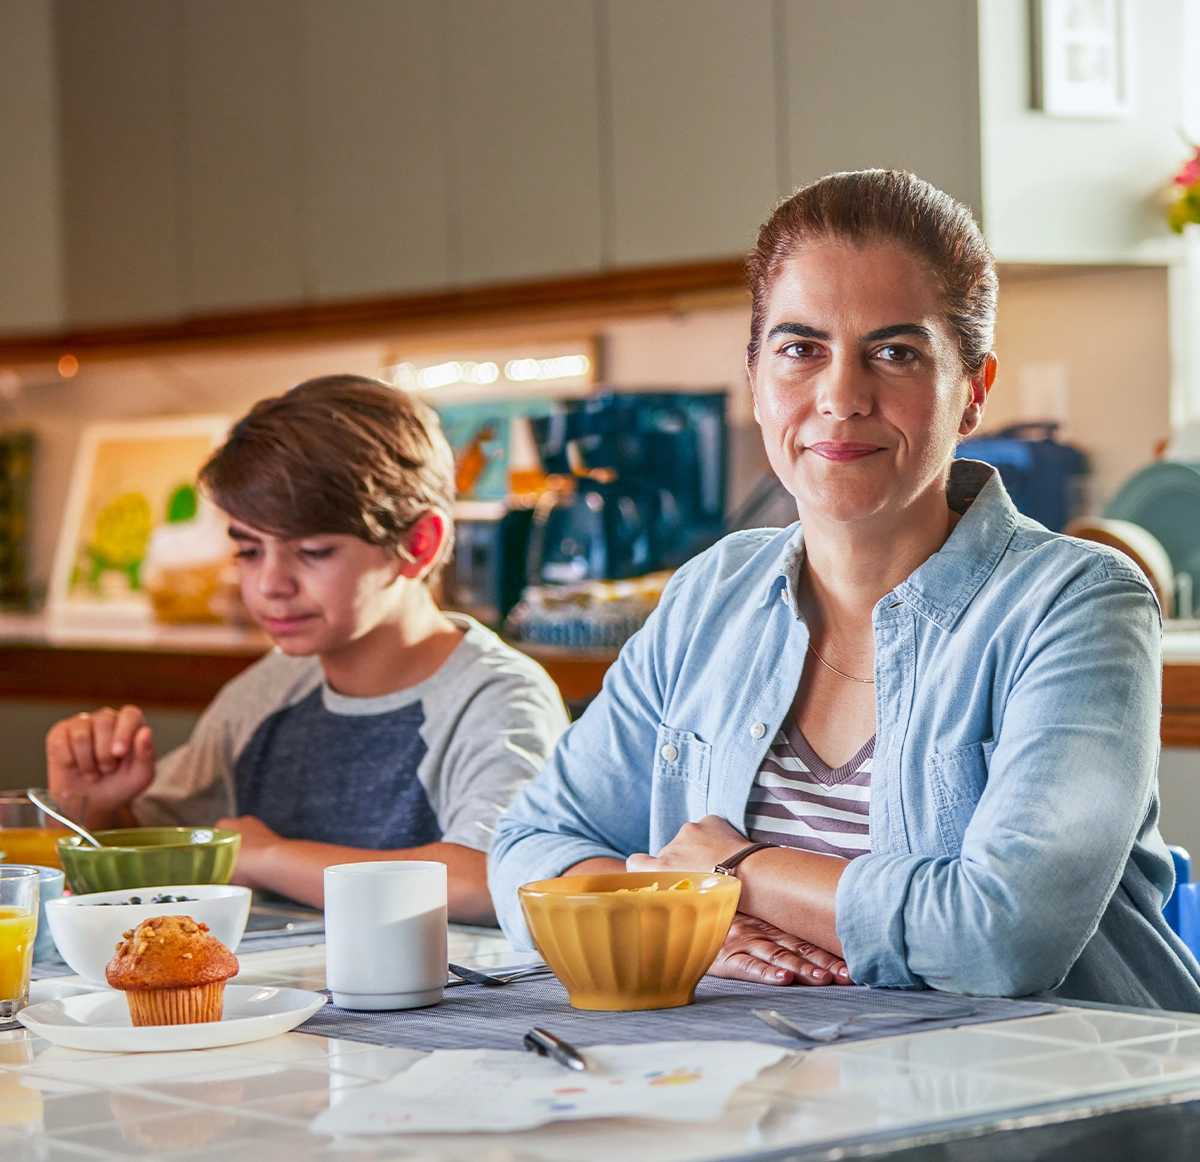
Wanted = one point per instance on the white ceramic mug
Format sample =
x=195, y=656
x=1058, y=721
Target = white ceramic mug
x=385, y=934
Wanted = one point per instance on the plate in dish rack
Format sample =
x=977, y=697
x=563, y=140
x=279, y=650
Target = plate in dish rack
x=101, y=1021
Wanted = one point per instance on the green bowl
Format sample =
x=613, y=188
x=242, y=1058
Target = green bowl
x=147, y=857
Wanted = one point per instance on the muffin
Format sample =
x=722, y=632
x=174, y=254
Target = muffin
x=172, y=972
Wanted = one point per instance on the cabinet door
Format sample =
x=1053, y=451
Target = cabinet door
x=524, y=138
x=242, y=153
x=375, y=157
x=693, y=127
x=887, y=84
x=118, y=124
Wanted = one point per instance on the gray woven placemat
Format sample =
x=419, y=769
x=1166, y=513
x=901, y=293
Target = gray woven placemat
x=497, y=1018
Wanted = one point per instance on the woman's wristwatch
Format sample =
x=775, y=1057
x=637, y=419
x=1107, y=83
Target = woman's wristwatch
x=726, y=866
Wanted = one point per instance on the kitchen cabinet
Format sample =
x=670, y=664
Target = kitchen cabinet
x=523, y=138
x=375, y=180
x=694, y=164
x=241, y=136
x=876, y=83
x=121, y=210
x=227, y=155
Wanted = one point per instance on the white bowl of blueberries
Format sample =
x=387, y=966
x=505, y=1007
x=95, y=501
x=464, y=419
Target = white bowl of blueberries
x=88, y=928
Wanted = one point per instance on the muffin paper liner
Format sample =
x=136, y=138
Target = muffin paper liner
x=180, y=1006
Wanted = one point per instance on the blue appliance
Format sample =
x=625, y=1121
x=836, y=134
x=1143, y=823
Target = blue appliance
x=1043, y=477
x=649, y=472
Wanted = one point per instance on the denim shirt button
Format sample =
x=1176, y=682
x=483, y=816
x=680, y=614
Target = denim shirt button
x=669, y=753
x=758, y=730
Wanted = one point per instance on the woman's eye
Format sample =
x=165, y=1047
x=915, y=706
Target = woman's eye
x=246, y=554
x=317, y=554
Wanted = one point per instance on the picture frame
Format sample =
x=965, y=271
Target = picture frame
x=125, y=476
x=1082, y=58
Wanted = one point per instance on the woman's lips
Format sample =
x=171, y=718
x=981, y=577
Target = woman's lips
x=843, y=451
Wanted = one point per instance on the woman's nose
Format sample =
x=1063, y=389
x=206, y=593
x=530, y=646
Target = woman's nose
x=845, y=391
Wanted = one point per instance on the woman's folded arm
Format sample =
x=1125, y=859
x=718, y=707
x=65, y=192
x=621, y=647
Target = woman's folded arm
x=1068, y=790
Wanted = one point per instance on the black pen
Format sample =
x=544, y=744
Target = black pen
x=548, y=1045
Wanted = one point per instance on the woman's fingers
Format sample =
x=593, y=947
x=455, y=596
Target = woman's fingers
x=743, y=966
x=639, y=861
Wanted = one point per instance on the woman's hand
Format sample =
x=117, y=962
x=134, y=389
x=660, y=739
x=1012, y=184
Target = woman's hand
x=107, y=757
x=758, y=951
x=697, y=847
x=258, y=840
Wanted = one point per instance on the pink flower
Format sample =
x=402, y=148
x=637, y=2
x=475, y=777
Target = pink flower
x=1190, y=174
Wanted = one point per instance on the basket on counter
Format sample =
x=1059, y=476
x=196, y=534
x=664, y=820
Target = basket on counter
x=586, y=615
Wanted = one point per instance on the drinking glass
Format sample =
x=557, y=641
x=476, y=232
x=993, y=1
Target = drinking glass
x=28, y=835
x=19, y=896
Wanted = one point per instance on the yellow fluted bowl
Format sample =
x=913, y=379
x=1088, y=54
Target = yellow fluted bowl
x=630, y=950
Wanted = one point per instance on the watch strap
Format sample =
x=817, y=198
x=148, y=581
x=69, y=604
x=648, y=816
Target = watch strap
x=726, y=866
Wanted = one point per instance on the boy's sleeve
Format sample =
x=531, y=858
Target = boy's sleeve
x=503, y=736
x=193, y=784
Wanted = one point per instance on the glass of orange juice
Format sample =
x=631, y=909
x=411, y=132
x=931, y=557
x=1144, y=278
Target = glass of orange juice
x=28, y=835
x=19, y=888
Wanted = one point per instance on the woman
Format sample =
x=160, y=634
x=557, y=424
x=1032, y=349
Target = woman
x=941, y=719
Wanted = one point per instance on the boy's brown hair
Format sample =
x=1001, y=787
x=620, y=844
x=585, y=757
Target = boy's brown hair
x=339, y=454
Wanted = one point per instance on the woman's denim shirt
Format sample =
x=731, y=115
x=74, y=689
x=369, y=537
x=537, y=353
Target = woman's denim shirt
x=1014, y=800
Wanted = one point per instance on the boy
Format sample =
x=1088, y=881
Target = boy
x=379, y=727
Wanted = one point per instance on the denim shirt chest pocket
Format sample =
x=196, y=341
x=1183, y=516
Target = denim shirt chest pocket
x=959, y=777
x=682, y=763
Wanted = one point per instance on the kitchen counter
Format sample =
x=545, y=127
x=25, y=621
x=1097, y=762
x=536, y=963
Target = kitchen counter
x=1082, y=1082
x=182, y=667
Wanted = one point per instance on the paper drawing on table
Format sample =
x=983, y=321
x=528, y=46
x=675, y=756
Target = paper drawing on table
x=511, y=1090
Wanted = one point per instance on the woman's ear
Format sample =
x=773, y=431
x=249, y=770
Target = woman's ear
x=980, y=385
x=423, y=543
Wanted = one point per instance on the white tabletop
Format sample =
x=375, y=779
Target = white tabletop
x=256, y=1101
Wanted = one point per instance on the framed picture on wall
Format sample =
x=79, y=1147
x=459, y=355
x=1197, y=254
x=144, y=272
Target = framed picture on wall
x=1082, y=58
x=129, y=478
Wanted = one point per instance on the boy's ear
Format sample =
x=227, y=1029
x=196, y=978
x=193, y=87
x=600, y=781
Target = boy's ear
x=423, y=543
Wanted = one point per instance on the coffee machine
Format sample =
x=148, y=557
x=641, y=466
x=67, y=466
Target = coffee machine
x=648, y=476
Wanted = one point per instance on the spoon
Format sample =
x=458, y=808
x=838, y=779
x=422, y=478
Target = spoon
x=40, y=798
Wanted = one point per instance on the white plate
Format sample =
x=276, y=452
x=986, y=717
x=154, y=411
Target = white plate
x=101, y=1021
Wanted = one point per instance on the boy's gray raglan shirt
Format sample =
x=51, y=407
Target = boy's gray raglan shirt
x=441, y=760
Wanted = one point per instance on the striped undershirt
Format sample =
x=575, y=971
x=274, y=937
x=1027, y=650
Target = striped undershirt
x=799, y=801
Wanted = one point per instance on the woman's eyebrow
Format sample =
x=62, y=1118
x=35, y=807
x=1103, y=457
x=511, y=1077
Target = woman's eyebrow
x=898, y=329
x=797, y=329
x=239, y=534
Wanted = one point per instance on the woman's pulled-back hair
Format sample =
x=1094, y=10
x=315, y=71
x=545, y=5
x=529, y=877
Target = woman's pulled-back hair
x=340, y=454
x=880, y=205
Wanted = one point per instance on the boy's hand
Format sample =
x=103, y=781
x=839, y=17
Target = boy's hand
x=107, y=757
x=257, y=841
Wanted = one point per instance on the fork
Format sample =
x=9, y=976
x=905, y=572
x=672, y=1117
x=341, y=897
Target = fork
x=474, y=976
x=826, y=1033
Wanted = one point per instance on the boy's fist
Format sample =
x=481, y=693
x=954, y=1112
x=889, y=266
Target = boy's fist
x=107, y=756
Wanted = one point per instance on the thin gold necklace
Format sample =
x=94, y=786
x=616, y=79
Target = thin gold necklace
x=839, y=673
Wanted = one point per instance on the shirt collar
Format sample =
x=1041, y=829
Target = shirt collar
x=942, y=587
